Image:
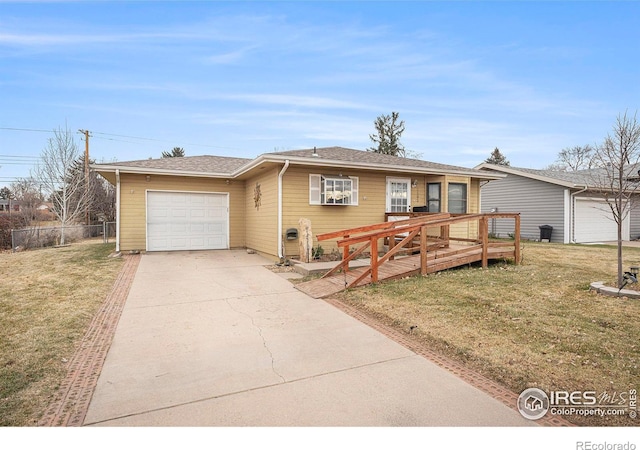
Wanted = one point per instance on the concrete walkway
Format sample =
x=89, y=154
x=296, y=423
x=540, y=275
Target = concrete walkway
x=216, y=339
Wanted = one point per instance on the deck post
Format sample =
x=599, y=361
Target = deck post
x=374, y=259
x=345, y=255
x=423, y=250
x=484, y=236
x=445, y=232
x=516, y=237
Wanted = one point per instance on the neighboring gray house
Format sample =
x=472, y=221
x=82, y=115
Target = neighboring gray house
x=562, y=200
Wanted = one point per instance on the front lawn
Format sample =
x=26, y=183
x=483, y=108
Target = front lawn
x=533, y=325
x=47, y=300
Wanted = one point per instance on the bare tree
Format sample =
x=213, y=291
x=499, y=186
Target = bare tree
x=571, y=159
x=26, y=191
x=617, y=179
x=65, y=185
x=103, y=199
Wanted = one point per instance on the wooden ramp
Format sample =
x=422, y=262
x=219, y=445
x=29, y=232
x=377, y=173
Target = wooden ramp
x=399, y=268
x=426, y=253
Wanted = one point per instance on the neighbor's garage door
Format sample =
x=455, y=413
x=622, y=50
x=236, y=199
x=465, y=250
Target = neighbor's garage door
x=187, y=221
x=594, y=222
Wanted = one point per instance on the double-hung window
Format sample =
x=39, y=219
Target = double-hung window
x=333, y=190
x=457, y=195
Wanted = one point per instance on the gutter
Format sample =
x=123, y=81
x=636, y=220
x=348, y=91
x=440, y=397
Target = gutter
x=280, y=175
x=117, y=210
x=152, y=171
x=573, y=212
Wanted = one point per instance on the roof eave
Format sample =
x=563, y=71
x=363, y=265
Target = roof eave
x=155, y=171
x=512, y=171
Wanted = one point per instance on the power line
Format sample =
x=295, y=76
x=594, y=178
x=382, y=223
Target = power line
x=162, y=140
x=23, y=163
x=27, y=129
x=140, y=138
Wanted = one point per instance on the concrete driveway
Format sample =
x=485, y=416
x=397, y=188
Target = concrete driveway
x=216, y=339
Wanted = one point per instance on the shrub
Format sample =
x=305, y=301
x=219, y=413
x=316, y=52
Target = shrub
x=8, y=223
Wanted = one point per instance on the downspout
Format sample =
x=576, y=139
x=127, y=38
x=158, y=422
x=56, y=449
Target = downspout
x=573, y=212
x=280, y=175
x=117, y=210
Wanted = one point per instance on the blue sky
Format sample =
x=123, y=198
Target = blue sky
x=245, y=78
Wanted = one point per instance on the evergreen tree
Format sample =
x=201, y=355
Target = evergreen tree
x=497, y=158
x=5, y=193
x=176, y=152
x=387, y=138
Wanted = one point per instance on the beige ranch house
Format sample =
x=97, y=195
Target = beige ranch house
x=214, y=202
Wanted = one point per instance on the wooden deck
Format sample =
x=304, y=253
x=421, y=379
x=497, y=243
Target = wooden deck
x=401, y=267
x=429, y=255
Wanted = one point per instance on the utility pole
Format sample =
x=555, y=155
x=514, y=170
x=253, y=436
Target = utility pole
x=86, y=170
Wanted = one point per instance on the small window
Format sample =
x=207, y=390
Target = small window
x=333, y=190
x=457, y=198
x=433, y=197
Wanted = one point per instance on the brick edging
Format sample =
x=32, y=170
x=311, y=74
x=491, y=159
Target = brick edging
x=70, y=406
x=475, y=379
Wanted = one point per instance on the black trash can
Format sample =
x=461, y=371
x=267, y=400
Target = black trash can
x=545, y=232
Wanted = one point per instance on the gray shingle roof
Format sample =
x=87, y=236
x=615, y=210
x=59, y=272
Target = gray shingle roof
x=228, y=166
x=596, y=178
x=204, y=164
x=581, y=177
x=366, y=157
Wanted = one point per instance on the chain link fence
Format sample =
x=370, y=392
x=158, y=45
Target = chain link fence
x=38, y=237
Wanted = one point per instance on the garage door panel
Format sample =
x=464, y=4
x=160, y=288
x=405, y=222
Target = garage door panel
x=179, y=213
x=196, y=228
x=157, y=213
x=215, y=228
x=215, y=242
x=187, y=221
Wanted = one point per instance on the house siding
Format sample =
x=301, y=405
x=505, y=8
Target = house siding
x=371, y=206
x=634, y=225
x=255, y=227
x=469, y=229
x=538, y=203
x=133, y=216
x=326, y=218
x=261, y=221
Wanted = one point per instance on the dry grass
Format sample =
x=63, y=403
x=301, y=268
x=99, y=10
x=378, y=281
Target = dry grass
x=47, y=299
x=533, y=325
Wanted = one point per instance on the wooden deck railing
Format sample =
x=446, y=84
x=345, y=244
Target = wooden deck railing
x=400, y=236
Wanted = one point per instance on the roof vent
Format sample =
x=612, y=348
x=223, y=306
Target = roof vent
x=315, y=153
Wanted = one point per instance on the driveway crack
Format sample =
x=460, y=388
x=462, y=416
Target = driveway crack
x=264, y=341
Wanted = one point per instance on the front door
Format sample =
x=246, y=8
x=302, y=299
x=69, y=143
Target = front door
x=398, y=195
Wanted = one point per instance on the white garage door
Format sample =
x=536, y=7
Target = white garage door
x=594, y=222
x=187, y=221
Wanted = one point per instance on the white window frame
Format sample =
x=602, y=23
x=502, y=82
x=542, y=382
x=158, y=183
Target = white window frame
x=318, y=189
x=398, y=180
